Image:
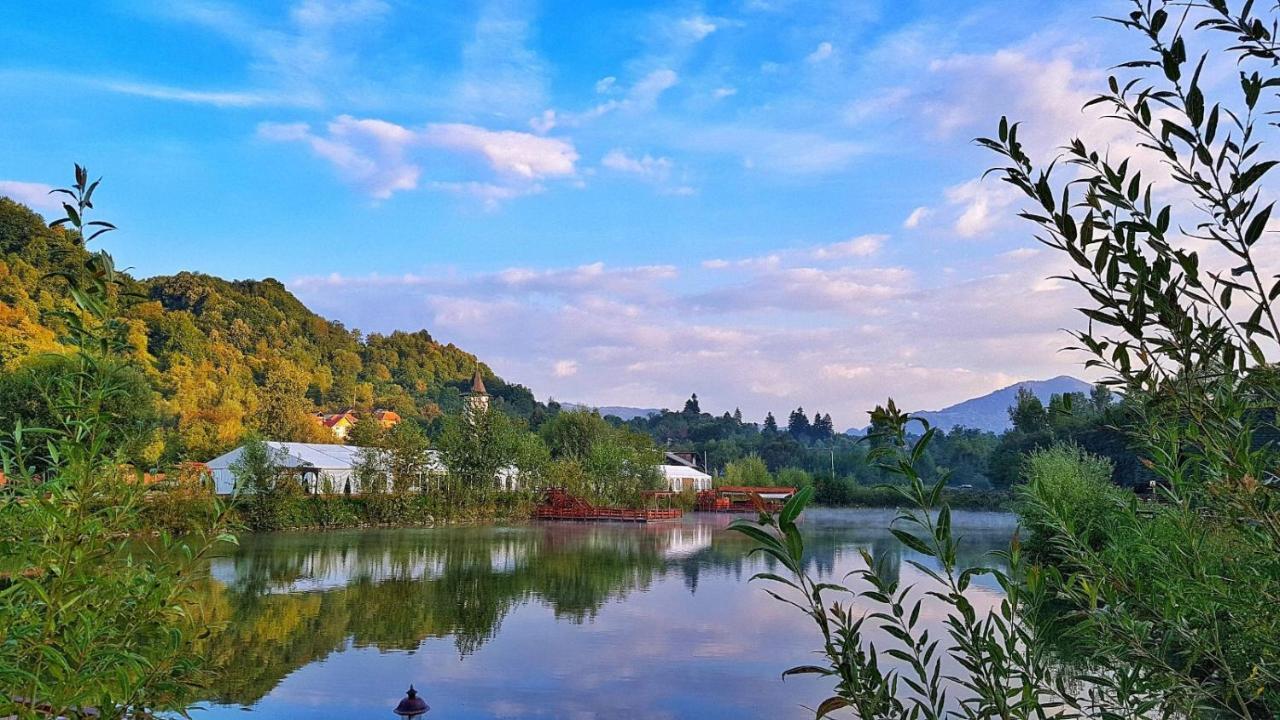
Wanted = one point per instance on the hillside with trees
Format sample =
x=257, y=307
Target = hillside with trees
x=218, y=358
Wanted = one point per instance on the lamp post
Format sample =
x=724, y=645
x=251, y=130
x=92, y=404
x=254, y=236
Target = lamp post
x=412, y=706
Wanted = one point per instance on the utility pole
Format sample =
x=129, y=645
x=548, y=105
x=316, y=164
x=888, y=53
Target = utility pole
x=833, y=465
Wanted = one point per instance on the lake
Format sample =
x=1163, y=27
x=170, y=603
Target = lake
x=553, y=620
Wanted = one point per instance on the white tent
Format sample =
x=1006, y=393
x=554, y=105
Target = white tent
x=683, y=477
x=319, y=467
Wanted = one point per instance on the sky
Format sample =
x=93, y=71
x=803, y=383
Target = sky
x=771, y=203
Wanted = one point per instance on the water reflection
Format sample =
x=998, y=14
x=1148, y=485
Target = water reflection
x=544, y=620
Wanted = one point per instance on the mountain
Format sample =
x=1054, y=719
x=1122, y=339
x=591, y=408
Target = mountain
x=622, y=411
x=227, y=357
x=991, y=411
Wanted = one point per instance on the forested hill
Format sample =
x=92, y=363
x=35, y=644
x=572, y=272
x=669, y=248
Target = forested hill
x=226, y=357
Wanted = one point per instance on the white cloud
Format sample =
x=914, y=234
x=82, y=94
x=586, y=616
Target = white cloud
x=508, y=152
x=645, y=93
x=823, y=52
x=228, y=98
x=983, y=206
x=724, y=92
x=565, y=368
x=861, y=246
x=652, y=168
x=641, y=97
x=501, y=74
x=544, y=123
x=376, y=155
x=696, y=27
x=368, y=153
x=916, y=217
x=34, y=195
x=490, y=194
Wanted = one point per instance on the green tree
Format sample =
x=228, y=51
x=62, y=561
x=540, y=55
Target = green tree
x=85, y=620
x=749, y=471
x=367, y=432
x=407, y=457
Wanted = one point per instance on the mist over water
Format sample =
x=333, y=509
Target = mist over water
x=538, y=620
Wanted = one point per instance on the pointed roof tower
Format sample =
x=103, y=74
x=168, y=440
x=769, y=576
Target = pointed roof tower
x=477, y=383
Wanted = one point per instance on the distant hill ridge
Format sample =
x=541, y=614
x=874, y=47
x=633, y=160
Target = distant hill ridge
x=621, y=411
x=991, y=411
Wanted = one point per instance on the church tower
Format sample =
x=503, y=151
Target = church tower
x=478, y=399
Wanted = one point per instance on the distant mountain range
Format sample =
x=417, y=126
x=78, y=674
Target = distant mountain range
x=622, y=411
x=991, y=411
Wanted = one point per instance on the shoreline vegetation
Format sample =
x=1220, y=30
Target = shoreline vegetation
x=168, y=512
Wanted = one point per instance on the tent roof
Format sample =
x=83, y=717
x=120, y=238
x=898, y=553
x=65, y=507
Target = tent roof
x=681, y=471
x=317, y=455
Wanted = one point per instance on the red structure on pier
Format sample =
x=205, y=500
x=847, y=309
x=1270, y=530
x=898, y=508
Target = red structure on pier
x=741, y=499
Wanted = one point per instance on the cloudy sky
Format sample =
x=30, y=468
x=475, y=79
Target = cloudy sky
x=771, y=203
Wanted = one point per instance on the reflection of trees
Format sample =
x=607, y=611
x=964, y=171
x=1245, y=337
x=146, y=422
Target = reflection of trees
x=292, y=599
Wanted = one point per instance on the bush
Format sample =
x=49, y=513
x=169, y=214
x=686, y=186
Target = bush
x=1068, y=491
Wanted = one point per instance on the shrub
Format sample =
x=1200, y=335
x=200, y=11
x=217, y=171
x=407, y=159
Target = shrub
x=1069, y=491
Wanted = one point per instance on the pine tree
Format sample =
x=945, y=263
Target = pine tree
x=770, y=424
x=691, y=405
x=798, y=423
x=737, y=415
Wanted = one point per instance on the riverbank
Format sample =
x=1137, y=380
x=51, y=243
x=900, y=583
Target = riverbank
x=333, y=512
x=177, y=513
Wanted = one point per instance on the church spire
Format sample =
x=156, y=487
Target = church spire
x=477, y=383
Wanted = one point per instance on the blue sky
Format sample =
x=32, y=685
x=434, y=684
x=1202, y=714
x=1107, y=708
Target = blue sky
x=770, y=203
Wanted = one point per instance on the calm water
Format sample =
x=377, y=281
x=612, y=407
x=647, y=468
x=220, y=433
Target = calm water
x=554, y=620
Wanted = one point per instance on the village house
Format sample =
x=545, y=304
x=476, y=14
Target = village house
x=340, y=423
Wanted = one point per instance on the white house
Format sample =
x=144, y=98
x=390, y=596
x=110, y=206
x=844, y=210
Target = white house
x=319, y=467
x=680, y=474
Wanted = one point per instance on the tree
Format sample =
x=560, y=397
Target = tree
x=798, y=424
x=407, y=457
x=1027, y=413
x=476, y=448
x=258, y=469
x=86, y=620
x=573, y=434
x=31, y=397
x=367, y=432
x=749, y=471
x=691, y=405
x=737, y=415
x=770, y=424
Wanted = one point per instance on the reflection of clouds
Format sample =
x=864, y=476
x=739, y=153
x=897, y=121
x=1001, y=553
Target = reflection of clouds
x=651, y=648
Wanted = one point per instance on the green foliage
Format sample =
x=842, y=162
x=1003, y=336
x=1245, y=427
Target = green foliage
x=31, y=396
x=793, y=477
x=1068, y=488
x=88, y=619
x=749, y=471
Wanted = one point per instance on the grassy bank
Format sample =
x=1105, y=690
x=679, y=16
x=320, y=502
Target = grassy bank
x=177, y=514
